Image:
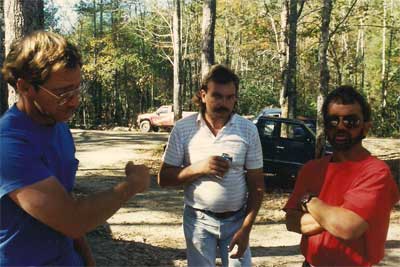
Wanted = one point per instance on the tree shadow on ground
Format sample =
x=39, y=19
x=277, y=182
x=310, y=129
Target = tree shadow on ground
x=154, y=199
x=260, y=251
x=392, y=244
x=394, y=165
x=392, y=257
x=110, y=251
x=109, y=138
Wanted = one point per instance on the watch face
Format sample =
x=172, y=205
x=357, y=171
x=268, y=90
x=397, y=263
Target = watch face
x=305, y=199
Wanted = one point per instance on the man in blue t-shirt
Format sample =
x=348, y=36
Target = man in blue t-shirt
x=40, y=222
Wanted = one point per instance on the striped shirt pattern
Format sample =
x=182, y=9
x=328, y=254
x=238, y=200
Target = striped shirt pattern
x=191, y=141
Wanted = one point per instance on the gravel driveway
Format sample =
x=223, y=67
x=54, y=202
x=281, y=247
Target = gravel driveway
x=147, y=230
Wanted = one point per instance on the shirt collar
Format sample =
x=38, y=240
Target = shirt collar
x=200, y=120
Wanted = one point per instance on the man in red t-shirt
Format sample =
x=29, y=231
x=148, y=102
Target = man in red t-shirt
x=341, y=203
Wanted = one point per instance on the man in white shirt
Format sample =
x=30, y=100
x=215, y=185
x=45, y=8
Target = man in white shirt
x=216, y=155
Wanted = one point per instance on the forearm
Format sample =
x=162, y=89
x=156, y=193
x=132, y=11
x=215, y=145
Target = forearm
x=176, y=176
x=339, y=222
x=82, y=247
x=255, y=181
x=95, y=209
x=253, y=205
x=241, y=237
x=309, y=226
x=302, y=223
x=49, y=202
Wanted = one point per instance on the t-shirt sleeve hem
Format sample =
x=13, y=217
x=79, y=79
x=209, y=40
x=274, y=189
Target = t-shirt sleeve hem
x=254, y=166
x=167, y=161
x=359, y=211
x=20, y=184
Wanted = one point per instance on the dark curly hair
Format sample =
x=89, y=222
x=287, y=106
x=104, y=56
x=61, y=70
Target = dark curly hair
x=347, y=94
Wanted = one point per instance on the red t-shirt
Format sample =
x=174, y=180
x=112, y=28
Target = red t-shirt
x=365, y=187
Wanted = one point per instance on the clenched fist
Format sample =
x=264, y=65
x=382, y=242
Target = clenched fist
x=137, y=176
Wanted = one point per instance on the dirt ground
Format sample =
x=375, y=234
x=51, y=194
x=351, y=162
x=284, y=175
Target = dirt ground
x=147, y=230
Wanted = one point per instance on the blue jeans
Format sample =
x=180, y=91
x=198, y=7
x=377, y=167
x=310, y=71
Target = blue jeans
x=204, y=233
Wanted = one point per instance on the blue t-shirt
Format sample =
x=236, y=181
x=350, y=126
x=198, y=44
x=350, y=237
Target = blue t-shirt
x=29, y=153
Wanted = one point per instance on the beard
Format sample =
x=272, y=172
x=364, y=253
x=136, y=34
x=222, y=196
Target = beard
x=342, y=140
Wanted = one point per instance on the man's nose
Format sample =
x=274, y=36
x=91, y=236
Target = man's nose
x=225, y=100
x=341, y=125
x=73, y=101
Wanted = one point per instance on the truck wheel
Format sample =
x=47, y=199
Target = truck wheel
x=145, y=126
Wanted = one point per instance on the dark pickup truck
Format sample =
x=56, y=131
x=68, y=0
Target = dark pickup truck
x=287, y=144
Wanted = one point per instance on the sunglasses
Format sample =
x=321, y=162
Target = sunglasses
x=349, y=121
x=64, y=98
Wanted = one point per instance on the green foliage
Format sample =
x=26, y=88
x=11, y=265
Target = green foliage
x=51, y=19
x=254, y=97
x=128, y=55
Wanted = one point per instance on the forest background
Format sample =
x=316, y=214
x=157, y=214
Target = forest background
x=129, y=57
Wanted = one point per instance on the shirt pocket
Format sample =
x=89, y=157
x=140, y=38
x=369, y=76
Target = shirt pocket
x=236, y=148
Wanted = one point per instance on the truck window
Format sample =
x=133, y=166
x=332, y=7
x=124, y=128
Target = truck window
x=162, y=110
x=268, y=128
x=292, y=131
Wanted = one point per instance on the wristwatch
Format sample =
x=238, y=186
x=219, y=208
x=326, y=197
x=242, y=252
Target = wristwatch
x=305, y=199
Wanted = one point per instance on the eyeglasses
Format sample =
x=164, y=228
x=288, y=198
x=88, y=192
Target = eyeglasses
x=349, y=121
x=64, y=98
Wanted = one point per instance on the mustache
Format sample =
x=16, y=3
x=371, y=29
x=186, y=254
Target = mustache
x=342, y=133
x=221, y=109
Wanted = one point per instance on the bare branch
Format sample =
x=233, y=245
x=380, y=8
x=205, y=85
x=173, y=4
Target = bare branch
x=301, y=8
x=344, y=18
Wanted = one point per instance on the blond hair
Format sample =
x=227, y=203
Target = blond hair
x=35, y=56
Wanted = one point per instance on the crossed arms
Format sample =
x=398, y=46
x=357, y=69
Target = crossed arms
x=339, y=222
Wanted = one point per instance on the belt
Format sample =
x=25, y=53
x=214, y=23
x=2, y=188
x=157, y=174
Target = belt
x=218, y=215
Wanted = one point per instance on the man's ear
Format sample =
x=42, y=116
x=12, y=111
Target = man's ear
x=367, y=127
x=23, y=87
x=203, y=95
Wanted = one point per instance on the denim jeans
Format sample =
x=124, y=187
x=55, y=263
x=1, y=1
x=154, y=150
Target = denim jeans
x=204, y=233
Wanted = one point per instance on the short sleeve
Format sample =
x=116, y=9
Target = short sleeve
x=254, y=157
x=375, y=191
x=20, y=165
x=298, y=191
x=309, y=180
x=174, y=152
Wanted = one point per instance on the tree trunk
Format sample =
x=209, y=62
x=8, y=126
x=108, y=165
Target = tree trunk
x=3, y=84
x=292, y=63
x=177, y=60
x=101, y=7
x=283, y=55
x=190, y=85
x=336, y=63
x=360, y=51
x=324, y=74
x=385, y=62
x=20, y=17
x=94, y=20
x=227, y=36
x=208, y=33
